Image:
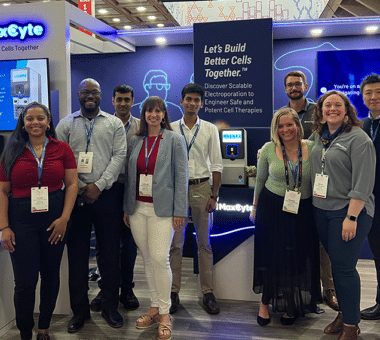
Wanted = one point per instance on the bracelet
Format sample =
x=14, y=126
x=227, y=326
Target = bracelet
x=5, y=228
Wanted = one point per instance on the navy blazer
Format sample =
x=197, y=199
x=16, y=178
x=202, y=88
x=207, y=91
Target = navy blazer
x=170, y=178
x=367, y=122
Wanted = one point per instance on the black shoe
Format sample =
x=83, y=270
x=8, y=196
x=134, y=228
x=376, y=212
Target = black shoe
x=261, y=321
x=26, y=336
x=93, y=275
x=371, y=313
x=210, y=304
x=175, y=302
x=96, y=303
x=42, y=336
x=77, y=322
x=129, y=300
x=288, y=321
x=113, y=318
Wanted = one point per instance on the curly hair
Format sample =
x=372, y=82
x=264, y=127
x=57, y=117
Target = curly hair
x=351, y=112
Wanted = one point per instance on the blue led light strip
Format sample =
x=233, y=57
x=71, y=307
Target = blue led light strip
x=231, y=231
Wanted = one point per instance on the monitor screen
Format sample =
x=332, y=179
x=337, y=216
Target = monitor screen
x=21, y=83
x=344, y=71
x=232, y=136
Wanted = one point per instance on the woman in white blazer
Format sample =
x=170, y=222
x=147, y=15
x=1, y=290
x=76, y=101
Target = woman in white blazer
x=155, y=204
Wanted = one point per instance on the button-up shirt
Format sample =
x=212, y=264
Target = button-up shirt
x=205, y=153
x=108, y=143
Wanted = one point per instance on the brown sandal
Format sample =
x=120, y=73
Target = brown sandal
x=162, y=328
x=146, y=321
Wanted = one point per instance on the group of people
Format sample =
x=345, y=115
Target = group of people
x=58, y=184
x=322, y=188
x=134, y=181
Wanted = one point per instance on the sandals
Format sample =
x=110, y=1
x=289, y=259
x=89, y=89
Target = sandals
x=146, y=321
x=162, y=331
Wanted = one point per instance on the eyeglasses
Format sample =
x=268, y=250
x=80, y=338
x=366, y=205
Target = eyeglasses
x=298, y=84
x=87, y=93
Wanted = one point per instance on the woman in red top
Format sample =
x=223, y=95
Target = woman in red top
x=38, y=188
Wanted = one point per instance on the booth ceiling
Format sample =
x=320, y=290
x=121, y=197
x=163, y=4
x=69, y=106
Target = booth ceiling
x=125, y=10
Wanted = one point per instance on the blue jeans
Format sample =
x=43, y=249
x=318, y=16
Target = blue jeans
x=344, y=257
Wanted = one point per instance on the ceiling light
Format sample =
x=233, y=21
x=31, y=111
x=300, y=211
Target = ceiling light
x=316, y=31
x=141, y=9
x=6, y=4
x=127, y=27
x=160, y=25
x=116, y=20
x=160, y=40
x=151, y=17
x=371, y=29
x=103, y=11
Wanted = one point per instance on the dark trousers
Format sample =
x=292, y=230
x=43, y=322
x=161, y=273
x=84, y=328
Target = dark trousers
x=104, y=214
x=374, y=244
x=34, y=255
x=128, y=249
x=344, y=257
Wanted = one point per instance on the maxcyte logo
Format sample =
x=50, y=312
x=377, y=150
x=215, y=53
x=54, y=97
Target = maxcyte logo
x=21, y=32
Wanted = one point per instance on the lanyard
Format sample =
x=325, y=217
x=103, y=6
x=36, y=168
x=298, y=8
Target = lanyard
x=89, y=132
x=40, y=163
x=147, y=156
x=193, y=140
x=129, y=125
x=374, y=133
x=294, y=171
x=324, y=152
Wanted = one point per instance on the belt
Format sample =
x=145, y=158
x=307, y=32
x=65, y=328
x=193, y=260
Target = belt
x=198, y=180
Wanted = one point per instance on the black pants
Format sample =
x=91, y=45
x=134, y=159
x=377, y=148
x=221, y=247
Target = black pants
x=128, y=248
x=374, y=244
x=104, y=214
x=33, y=255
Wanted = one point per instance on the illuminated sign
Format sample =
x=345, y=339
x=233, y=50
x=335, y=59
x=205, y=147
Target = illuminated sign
x=232, y=136
x=21, y=31
x=240, y=208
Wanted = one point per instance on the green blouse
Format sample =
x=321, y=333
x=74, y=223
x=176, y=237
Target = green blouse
x=271, y=172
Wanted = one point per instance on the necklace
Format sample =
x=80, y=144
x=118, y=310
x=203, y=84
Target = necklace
x=37, y=148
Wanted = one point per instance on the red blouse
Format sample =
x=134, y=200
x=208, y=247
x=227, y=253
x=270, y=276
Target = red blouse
x=24, y=175
x=141, y=167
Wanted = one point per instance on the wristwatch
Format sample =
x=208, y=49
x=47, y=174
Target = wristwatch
x=352, y=218
x=216, y=198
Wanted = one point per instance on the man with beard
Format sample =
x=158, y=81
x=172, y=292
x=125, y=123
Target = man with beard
x=295, y=88
x=123, y=99
x=99, y=144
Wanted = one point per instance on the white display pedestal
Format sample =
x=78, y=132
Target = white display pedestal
x=63, y=301
x=7, y=314
x=233, y=275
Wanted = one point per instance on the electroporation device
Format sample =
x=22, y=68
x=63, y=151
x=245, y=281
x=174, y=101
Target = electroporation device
x=233, y=143
x=25, y=88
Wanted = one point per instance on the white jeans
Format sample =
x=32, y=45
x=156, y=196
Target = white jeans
x=153, y=235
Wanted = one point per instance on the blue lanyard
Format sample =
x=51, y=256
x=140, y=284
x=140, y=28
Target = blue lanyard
x=89, y=132
x=294, y=171
x=147, y=156
x=129, y=125
x=40, y=163
x=193, y=140
x=374, y=133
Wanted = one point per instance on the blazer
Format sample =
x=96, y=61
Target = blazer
x=367, y=122
x=170, y=178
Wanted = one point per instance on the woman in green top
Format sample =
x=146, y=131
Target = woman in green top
x=286, y=262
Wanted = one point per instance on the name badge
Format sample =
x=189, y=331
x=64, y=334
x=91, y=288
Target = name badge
x=39, y=199
x=145, y=185
x=320, y=185
x=291, y=201
x=85, y=162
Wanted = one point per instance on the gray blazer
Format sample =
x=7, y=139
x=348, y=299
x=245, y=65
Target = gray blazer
x=170, y=178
